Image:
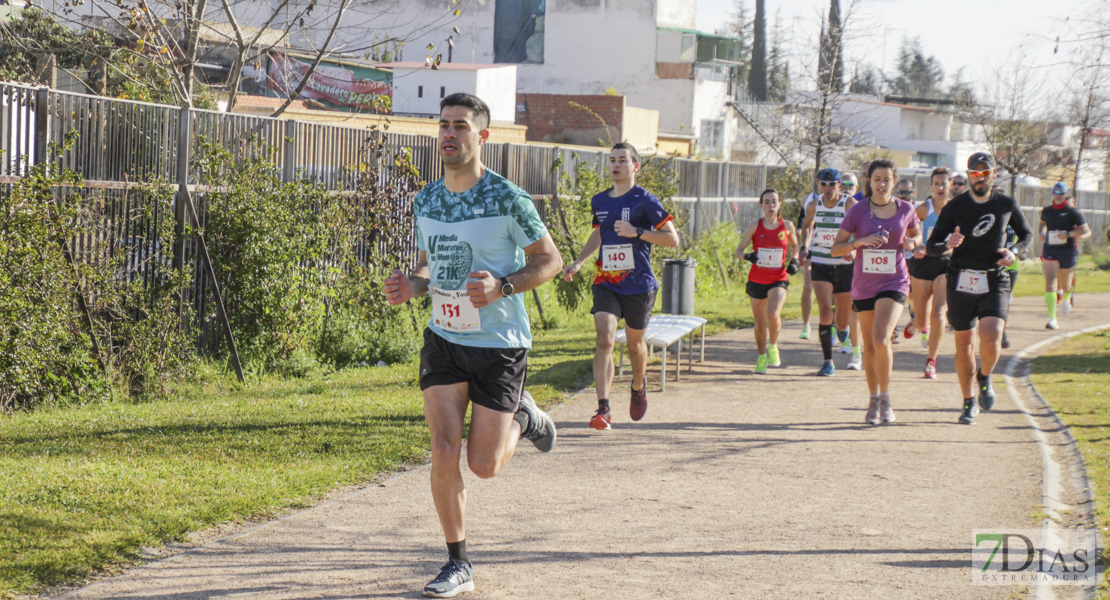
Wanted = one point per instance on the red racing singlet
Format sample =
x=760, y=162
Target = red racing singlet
x=771, y=246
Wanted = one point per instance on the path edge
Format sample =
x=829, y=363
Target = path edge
x=1017, y=373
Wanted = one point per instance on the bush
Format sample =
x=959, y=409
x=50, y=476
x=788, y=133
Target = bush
x=48, y=353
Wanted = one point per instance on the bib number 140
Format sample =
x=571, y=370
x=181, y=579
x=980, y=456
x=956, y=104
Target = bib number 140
x=617, y=258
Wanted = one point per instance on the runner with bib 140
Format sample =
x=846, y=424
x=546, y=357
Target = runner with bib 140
x=973, y=226
x=627, y=220
x=774, y=260
x=474, y=229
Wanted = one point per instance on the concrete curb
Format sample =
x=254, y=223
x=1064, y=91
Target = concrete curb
x=1018, y=369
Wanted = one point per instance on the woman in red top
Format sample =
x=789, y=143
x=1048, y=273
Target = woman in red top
x=774, y=258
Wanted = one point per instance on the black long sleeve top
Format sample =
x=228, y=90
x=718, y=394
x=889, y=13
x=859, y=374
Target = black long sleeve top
x=983, y=225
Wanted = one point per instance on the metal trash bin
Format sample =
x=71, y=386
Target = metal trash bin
x=678, y=286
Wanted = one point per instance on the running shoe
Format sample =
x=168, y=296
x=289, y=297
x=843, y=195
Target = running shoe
x=856, y=363
x=541, y=429
x=761, y=365
x=970, y=412
x=930, y=368
x=894, y=339
x=1065, y=307
x=805, y=332
x=925, y=339
x=886, y=413
x=773, y=358
x=1005, y=341
x=909, y=331
x=638, y=407
x=1052, y=324
x=454, y=578
x=601, y=420
x=872, y=417
x=986, y=393
x=827, y=369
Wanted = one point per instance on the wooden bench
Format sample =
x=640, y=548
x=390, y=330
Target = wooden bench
x=664, y=331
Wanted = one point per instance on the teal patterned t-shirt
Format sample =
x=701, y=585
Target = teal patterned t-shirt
x=484, y=228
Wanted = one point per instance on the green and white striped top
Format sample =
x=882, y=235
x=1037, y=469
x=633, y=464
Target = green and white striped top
x=826, y=222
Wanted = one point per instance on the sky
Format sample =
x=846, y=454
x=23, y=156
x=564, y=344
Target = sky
x=957, y=32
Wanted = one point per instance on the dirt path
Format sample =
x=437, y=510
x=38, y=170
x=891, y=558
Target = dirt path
x=733, y=486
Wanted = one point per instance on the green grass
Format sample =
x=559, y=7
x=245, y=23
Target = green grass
x=1075, y=380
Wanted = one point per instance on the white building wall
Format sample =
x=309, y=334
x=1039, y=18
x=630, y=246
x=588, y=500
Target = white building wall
x=497, y=87
x=676, y=13
x=436, y=85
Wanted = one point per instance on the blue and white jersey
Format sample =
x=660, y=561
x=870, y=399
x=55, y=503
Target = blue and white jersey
x=484, y=228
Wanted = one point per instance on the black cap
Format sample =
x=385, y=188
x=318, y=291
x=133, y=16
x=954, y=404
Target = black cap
x=981, y=157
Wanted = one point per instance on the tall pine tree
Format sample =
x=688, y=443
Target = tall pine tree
x=757, y=76
x=831, y=60
x=778, y=79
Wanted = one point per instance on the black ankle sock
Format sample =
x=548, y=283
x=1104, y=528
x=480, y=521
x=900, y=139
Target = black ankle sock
x=825, y=333
x=603, y=405
x=457, y=550
x=980, y=377
x=521, y=417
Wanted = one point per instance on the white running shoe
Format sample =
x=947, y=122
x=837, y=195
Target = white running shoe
x=846, y=347
x=1052, y=324
x=856, y=363
x=1064, y=308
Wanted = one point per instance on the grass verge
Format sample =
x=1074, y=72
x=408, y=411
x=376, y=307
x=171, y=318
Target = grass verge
x=1074, y=378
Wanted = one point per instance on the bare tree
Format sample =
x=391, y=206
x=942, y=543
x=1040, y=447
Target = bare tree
x=1088, y=91
x=1015, y=119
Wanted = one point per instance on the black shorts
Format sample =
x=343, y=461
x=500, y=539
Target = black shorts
x=928, y=268
x=964, y=309
x=866, y=304
x=759, y=291
x=635, y=309
x=840, y=276
x=1065, y=255
x=495, y=375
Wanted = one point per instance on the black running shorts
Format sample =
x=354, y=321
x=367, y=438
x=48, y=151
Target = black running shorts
x=1067, y=257
x=928, y=268
x=635, y=309
x=495, y=375
x=758, y=291
x=840, y=276
x=866, y=304
x=964, y=308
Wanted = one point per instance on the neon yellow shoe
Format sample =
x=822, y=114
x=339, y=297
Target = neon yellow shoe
x=761, y=365
x=773, y=359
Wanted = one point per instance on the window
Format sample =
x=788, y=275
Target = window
x=419, y=91
x=711, y=138
x=518, y=30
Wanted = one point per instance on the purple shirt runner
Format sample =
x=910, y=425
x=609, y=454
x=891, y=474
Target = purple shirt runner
x=861, y=222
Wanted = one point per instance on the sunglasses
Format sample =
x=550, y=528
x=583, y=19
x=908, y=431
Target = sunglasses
x=829, y=183
x=848, y=183
x=980, y=174
x=904, y=192
x=955, y=182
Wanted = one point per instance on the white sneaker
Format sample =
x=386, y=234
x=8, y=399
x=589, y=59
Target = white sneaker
x=856, y=363
x=1064, y=308
x=845, y=347
x=1051, y=324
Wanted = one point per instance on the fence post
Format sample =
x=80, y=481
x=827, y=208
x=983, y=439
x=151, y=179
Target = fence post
x=762, y=178
x=289, y=155
x=43, y=123
x=184, y=149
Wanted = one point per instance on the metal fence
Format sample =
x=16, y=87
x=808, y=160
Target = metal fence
x=120, y=142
